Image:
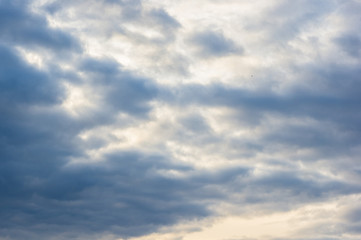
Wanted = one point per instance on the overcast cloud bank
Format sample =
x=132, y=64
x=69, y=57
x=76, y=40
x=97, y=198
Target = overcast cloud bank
x=180, y=120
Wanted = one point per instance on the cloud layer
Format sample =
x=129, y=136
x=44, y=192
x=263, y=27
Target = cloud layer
x=180, y=120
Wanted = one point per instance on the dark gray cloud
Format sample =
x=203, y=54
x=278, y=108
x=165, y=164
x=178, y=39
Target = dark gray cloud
x=41, y=196
x=214, y=44
x=298, y=102
x=122, y=90
x=195, y=124
x=33, y=143
x=351, y=44
x=123, y=195
x=19, y=26
x=335, y=98
x=22, y=84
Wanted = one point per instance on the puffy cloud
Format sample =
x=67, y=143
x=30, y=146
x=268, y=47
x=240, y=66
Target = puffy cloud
x=22, y=84
x=211, y=43
x=20, y=26
x=121, y=90
x=350, y=44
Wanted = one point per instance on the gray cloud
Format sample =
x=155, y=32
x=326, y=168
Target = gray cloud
x=121, y=90
x=351, y=44
x=123, y=195
x=128, y=12
x=40, y=195
x=18, y=25
x=211, y=43
x=164, y=19
x=283, y=21
x=58, y=181
x=22, y=84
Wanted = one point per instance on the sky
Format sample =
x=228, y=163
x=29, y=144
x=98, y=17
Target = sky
x=180, y=120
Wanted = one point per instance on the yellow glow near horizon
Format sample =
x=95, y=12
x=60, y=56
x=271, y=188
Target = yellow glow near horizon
x=297, y=223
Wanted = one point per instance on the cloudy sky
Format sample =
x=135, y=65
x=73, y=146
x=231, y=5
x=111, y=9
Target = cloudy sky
x=180, y=119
